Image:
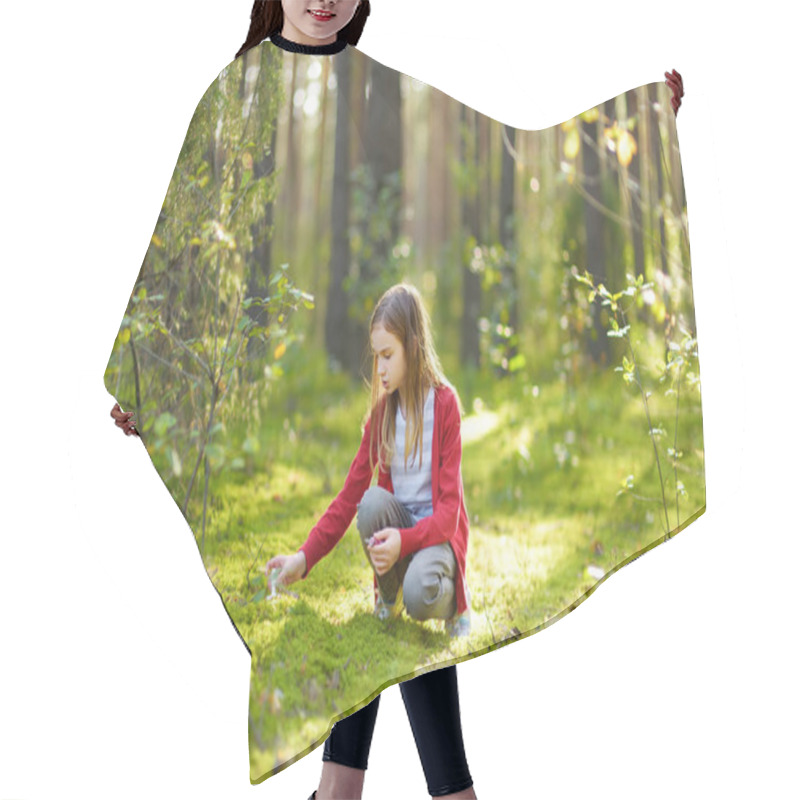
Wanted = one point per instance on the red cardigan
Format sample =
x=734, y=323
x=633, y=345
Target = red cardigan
x=449, y=521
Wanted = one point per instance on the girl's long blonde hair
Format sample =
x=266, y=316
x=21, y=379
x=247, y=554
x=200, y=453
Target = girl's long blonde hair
x=402, y=313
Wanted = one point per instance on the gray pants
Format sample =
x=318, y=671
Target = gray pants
x=427, y=575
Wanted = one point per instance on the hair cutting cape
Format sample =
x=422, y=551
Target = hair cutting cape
x=555, y=268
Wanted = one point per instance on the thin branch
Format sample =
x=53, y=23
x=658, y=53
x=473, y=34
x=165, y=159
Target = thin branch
x=203, y=446
x=247, y=120
x=136, y=380
x=675, y=449
x=206, y=471
x=167, y=363
x=253, y=563
x=643, y=498
x=230, y=335
x=181, y=344
x=672, y=186
x=649, y=422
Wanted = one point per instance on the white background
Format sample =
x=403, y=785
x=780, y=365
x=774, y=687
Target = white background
x=120, y=673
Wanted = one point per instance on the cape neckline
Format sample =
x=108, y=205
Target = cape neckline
x=309, y=49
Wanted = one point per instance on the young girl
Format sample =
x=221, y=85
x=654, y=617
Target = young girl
x=413, y=525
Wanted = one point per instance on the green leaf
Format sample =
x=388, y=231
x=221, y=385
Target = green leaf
x=215, y=452
x=516, y=363
x=163, y=423
x=251, y=445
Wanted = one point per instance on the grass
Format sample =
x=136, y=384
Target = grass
x=541, y=475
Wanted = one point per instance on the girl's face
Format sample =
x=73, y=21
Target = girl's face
x=315, y=21
x=391, y=358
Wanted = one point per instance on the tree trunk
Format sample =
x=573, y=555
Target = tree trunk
x=384, y=156
x=635, y=189
x=655, y=147
x=510, y=286
x=471, y=288
x=595, y=240
x=294, y=172
x=320, y=208
x=336, y=323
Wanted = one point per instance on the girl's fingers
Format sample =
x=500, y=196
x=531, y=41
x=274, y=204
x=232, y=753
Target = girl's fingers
x=128, y=426
x=675, y=80
x=124, y=420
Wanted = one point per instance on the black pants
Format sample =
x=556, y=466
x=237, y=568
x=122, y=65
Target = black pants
x=431, y=702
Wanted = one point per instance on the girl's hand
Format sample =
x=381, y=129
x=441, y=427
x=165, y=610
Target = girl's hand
x=384, y=548
x=292, y=567
x=124, y=420
x=675, y=82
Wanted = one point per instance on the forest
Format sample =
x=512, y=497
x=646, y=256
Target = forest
x=555, y=266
